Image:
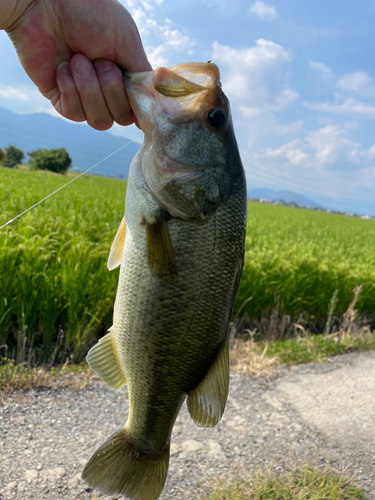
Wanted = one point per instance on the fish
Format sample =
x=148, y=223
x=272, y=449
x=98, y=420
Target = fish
x=180, y=248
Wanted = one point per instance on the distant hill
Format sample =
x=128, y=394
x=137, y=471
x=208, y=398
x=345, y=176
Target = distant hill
x=85, y=145
x=287, y=196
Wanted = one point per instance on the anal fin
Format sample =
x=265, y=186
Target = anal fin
x=103, y=361
x=115, y=254
x=160, y=253
x=206, y=403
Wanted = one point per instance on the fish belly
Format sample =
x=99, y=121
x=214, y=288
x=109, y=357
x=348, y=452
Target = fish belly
x=167, y=334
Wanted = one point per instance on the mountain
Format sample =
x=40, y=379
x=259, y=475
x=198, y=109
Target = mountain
x=85, y=145
x=287, y=196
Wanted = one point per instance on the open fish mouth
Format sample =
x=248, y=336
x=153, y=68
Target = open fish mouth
x=181, y=94
x=184, y=115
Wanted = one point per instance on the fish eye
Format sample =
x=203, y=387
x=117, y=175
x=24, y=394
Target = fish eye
x=216, y=118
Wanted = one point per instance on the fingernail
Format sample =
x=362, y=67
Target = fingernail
x=58, y=107
x=64, y=68
x=103, y=65
x=82, y=68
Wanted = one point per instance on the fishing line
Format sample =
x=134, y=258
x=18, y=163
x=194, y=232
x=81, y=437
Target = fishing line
x=67, y=184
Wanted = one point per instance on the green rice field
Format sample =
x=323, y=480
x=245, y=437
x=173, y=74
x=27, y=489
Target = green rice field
x=297, y=259
x=55, y=286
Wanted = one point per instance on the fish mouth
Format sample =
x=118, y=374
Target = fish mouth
x=177, y=93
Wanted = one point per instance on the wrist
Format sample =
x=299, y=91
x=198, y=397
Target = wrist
x=11, y=11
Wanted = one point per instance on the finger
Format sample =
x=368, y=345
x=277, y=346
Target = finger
x=112, y=84
x=93, y=102
x=67, y=101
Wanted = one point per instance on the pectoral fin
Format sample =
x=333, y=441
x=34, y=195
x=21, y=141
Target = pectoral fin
x=115, y=255
x=207, y=401
x=160, y=253
x=102, y=360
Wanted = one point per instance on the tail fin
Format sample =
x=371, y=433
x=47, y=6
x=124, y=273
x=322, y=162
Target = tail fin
x=117, y=467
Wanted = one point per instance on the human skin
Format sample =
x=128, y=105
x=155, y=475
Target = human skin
x=71, y=50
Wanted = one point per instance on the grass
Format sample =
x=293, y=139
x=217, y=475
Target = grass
x=263, y=357
x=246, y=357
x=56, y=291
x=296, y=259
x=317, y=348
x=22, y=377
x=308, y=483
x=53, y=273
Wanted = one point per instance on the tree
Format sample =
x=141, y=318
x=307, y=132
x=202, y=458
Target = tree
x=56, y=160
x=13, y=156
x=2, y=156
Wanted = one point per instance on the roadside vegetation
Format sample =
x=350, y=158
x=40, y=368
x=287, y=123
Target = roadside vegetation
x=23, y=377
x=308, y=483
x=262, y=357
x=56, y=294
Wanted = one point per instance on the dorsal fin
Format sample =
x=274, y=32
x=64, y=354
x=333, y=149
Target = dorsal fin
x=115, y=255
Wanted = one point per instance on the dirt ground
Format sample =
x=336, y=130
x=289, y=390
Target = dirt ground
x=315, y=413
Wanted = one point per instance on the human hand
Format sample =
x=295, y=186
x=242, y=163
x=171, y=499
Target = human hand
x=71, y=48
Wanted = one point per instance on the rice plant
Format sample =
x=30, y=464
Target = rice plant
x=55, y=289
x=296, y=259
x=53, y=273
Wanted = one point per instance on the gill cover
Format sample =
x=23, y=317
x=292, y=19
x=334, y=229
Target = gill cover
x=185, y=117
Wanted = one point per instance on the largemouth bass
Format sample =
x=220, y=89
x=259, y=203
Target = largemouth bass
x=181, y=250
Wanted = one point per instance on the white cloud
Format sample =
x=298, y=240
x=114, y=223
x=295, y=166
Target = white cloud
x=284, y=99
x=162, y=41
x=173, y=41
x=145, y=4
x=288, y=151
x=293, y=128
x=256, y=77
x=332, y=143
x=344, y=106
x=325, y=72
x=322, y=149
x=156, y=56
x=359, y=83
x=263, y=10
x=13, y=93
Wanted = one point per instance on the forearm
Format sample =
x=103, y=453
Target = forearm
x=11, y=10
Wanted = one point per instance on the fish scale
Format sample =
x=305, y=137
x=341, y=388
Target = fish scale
x=185, y=325
x=181, y=245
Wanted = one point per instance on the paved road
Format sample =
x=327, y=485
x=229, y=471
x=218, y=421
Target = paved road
x=320, y=414
x=337, y=399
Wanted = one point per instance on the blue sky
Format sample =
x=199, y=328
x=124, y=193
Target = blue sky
x=299, y=76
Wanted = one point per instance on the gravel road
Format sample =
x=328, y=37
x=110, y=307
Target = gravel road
x=320, y=414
